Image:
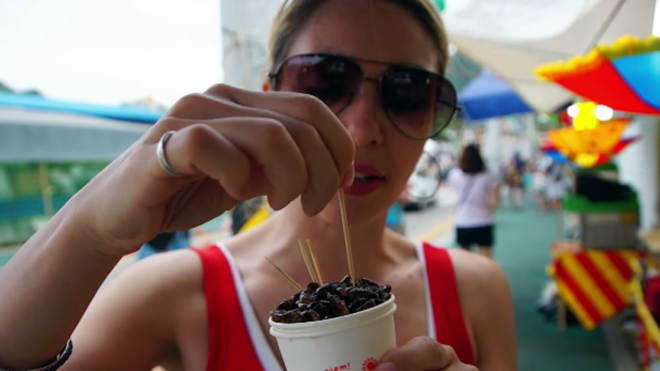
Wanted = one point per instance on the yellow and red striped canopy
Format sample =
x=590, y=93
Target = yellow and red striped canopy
x=594, y=284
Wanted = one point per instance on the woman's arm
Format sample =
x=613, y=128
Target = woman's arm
x=46, y=288
x=128, y=325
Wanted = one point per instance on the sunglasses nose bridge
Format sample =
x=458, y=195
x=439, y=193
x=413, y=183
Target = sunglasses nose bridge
x=373, y=93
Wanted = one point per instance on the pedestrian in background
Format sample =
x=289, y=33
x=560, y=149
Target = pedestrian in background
x=479, y=197
x=558, y=185
x=539, y=187
x=515, y=185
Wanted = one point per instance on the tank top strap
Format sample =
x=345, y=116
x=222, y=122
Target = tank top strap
x=230, y=346
x=450, y=326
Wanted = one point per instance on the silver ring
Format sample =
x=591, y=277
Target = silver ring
x=162, y=160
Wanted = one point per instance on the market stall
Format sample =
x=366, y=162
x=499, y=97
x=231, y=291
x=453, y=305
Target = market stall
x=598, y=257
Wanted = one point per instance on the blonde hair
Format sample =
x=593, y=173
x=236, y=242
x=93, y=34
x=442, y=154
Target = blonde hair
x=294, y=13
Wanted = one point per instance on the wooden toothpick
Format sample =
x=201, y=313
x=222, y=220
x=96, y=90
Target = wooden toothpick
x=307, y=262
x=316, y=263
x=347, y=238
x=286, y=276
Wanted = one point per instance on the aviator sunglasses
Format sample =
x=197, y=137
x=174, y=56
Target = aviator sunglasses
x=418, y=102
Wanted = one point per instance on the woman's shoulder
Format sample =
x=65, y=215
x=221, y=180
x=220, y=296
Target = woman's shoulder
x=483, y=288
x=474, y=270
x=150, y=305
x=159, y=277
x=171, y=280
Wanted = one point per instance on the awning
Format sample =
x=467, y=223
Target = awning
x=35, y=102
x=488, y=96
x=34, y=135
x=512, y=37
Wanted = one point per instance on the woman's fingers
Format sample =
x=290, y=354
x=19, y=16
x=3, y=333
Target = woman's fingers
x=323, y=175
x=422, y=354
x=199, y=149
x=302, y=107
x=298, y=144
x=229, y=149
x=223, y=100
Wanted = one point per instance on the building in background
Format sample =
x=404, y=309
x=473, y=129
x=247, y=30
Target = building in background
x=245, y=29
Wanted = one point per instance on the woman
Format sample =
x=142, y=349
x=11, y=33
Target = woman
x=478, y=198
x=372, y=65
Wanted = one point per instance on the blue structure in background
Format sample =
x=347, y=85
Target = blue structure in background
x=34, y=102
x=488, y=96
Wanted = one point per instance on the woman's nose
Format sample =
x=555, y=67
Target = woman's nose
x=364, y=118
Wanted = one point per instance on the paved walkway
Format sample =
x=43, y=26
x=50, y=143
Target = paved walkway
x=522, y=250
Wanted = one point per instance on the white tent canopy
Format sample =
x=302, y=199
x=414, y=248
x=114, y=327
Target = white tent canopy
x=512, y=37
x=32, y=135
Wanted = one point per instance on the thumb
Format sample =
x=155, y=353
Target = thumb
x=419, y=354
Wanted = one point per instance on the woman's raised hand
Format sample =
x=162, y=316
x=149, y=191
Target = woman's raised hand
x=229, y=145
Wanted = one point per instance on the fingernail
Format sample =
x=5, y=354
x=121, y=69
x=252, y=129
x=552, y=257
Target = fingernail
x=389, y=366
x=349, y=176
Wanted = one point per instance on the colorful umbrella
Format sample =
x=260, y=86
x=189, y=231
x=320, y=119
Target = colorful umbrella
x=488, y=96
x=589, y=142
x=589, y=148
x=624, y=76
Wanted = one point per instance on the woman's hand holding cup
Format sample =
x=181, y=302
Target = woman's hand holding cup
x=422, y=354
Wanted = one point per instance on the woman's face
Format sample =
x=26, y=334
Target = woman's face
x=372, y=30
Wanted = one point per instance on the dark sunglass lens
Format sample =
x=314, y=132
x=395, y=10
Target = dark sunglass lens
x=333, y=80
x=445, y=104
x=409, y=97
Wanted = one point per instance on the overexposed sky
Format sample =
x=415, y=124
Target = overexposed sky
x=656, y=19
x=110, y=51
x=114, y=51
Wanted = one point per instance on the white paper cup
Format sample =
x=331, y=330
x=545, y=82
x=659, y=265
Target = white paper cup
x=354, y=342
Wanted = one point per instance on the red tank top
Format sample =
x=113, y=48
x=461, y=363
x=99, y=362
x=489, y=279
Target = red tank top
x=234, y=346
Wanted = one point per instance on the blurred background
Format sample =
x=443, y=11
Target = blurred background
x=80, y=81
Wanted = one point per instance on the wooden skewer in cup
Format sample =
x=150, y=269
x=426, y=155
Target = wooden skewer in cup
x=286, y=276
x=308, y=264
x=316, y=263
x=347, y=238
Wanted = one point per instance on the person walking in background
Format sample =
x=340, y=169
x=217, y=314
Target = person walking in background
x=479, y=197
x=539, y=186
x=558, y=184
x=515, y=185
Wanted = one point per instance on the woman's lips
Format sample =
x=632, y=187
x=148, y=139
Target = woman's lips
x=367, y=180
x=368, y=170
